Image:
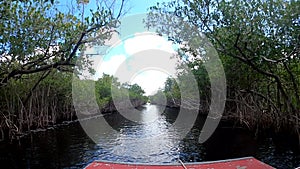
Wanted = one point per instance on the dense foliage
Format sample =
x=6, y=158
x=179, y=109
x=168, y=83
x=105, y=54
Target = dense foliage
x=170, y=95
x=51, y=101
x=40, y=42
x=24, y=109
x=107, y=84
x=258, y=43
x=37, y=36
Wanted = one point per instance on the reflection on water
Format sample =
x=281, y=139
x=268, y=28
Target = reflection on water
x=153, y=139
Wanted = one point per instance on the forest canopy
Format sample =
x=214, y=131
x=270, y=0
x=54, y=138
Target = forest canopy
x=258, y=43
x=40, y=43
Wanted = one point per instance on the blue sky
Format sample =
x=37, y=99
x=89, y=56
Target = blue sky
x=139, y=6
x=133, y=39
x=131, y=6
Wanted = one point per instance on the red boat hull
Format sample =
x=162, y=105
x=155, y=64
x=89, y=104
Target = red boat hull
x=241, y=163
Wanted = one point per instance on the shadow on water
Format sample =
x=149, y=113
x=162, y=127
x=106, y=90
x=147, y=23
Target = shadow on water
x=151, y=140
x=61, y=147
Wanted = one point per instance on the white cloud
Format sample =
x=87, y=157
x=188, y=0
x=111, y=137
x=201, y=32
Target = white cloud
x=110, y=66
x=150, y=80
x=148, y=69
x=147, y=41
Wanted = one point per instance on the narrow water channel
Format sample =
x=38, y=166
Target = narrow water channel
x=155, y=141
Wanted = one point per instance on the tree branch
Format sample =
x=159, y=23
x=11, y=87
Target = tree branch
x=293, y=79
x=44, y=75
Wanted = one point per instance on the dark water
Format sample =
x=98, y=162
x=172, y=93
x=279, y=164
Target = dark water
x=154, y=141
